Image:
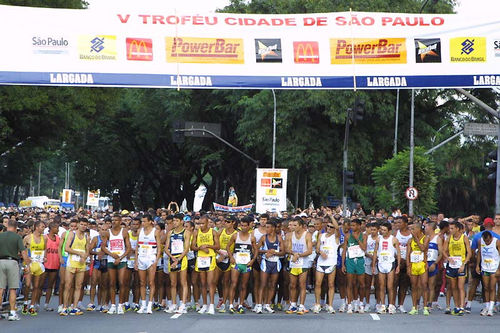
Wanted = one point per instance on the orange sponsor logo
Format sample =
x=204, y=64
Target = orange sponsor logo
x=205, y=50
x=368, y=51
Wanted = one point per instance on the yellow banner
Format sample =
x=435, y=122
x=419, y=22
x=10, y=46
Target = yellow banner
x=97, y=47
x=205, y=50
x=468, y=49
x=368, y=51
x=271, y=191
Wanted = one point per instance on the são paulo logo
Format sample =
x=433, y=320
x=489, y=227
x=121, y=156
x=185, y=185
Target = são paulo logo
x=49, y=45
x=427, y=50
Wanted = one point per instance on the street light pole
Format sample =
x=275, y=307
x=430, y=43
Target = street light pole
x=412, y=148
x=274, y=128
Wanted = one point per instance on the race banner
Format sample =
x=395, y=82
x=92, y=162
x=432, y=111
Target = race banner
x=168, y=49
x=230, y=209
x=271, y=190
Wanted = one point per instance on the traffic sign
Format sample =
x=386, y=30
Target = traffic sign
x=480, y=129
x=411, y=193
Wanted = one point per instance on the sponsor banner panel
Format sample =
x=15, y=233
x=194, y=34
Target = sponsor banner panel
x=132, y=48
x=271, y=190
x=222, y=208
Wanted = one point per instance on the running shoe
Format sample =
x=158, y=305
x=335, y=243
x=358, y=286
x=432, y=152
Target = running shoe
x=413, y=311
x=291, y=310
x=316, y=308
x=149, y=308
x=447, y=311
x=182, y=309
x=402, y=309
x=468, y=309
x=127, y=307
x=258, y=308
x=141, y=310
x=90, y=307
x=155, y=307
x=342, y=308
x=24, y=311
x=112, y=309
x=211, y=309
x=441, y=294
x=104, y=309
x=455, y=311
x=222, y=308
x=349, y=309
x=170, y=309
x=232, y=310
x=381, y=309
x=47, y=308
x=489, y=313
x=221, y=302
x=426, y=311
x=241, y=309
x=120, y=310
x=361, y=309
x=329, y=309
x=268, y=309
x=279, y=307
x=484, y=312
x=60, y=308
x=301, y=310
x=75, y=312
x=32, y=312
x=64, y=312
x=392, y=309
x=356, y=307
x=13, y=317
x=461, y=312
x=203, y=309
x=136, y=307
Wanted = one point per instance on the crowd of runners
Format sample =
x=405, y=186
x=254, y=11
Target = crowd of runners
x=163, y=260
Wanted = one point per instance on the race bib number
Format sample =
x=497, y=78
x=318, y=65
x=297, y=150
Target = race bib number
x=203, y=262
x=327, y=249
x=297, y=264
x=355, y=252
x=432, y=255
x=177, y=246
x=223, y=254
x=75, y=258
x=490, y=264
x=416, y=256
x=145, y=250
x=37, y=256
x=455, y=262
x=402, y=249
x=385, y=257
x=242, y=258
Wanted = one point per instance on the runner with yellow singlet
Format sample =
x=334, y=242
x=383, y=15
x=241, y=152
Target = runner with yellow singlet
x=77, y=247
x=63, y=257
x=416, y=261
x=206, y=242
x=458, y=252
x=131, y=277
x=223, y=270
x=36, y=244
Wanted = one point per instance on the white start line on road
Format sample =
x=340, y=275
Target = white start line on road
x=375, y=316
x=175, y=316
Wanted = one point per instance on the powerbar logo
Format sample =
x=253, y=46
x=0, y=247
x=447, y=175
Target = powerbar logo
x=368, y=51
x=205, y=50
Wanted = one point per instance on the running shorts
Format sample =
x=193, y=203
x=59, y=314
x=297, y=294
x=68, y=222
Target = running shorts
x=206, y=268
x=418, y=268
x=181, y=266
x=65, y=262
x=121, y=265
x=386, y=267
x=145, y=263
x=487, y=273
x=453, y=272
x=298, y=271
x=270, y=267
x=242, y=268
x=355, y=266
x=435, y=271
x=191, y=265
x=224, y=266
x=325, y=269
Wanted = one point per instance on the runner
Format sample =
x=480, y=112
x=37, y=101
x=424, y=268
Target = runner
x=416, y=262
x=327, y=249
x=242, y=251
x=354, y=265
x=52, y=262
x=340, y=275
x=487, y=265
x=206, y=242
x=223, y=270
x=271, y=248
x=258, y=233
x=147, y=255
x=63, y=259
x=299, y=247
x=434, y=256
x=116, y=244
x=371, y=272
x=100, y=268
x=458, y=252
x=176, y=248
x=388, y=255
x=403, y=234
x=77, y=247
x=36, y=245
x=131, y=277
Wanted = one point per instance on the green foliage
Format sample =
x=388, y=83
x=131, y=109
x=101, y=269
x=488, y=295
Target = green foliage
x=393, y=175
x=72, y=4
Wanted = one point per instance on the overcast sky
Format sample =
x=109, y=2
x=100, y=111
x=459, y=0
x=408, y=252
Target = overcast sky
x=468, y=7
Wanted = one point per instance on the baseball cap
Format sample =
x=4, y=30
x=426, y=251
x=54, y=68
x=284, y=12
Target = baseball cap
x=488, y=222
x=125, y=212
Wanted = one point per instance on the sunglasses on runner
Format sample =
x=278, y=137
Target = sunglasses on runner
x=330, y=226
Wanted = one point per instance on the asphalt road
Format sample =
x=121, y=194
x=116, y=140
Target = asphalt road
x=251, y=322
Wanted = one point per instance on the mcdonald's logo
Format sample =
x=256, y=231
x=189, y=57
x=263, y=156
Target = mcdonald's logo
x=306, y=52
x=139, y=49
